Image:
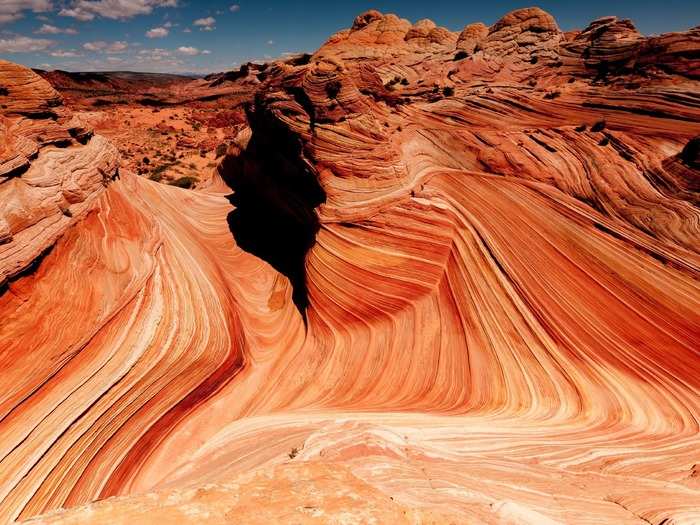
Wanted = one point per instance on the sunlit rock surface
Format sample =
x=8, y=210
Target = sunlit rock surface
x=51, y=168
x=446, y=289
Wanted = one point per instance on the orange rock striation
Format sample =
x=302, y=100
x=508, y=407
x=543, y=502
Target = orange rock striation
x=457, y=281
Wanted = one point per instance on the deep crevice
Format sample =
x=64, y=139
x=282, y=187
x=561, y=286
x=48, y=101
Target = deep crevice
x=275, y=194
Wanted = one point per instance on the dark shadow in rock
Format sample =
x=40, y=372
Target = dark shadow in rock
x=691, y=153
x=275, y=194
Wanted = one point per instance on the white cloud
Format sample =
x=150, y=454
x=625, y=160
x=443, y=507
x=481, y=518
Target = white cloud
x=235, y=8
x=11, y=10
x=64, y=54
x=156, y=53
x=270, y=42
x=48, y=29
x=94, y=46
x=205, y=24
x=114, y=9
x=189, y=51
x=106, y=47
x=157, y=59
x=208, y=21
x=78, y=14
x=157, y=32
x=187, y=30
x=24, y=44
x=117, y=47
x=153, y=60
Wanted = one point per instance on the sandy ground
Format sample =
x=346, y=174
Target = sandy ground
x=163, y=144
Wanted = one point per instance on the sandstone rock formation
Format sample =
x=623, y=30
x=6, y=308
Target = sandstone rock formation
x=471, y=35
x=51, y=168
x=445, y=288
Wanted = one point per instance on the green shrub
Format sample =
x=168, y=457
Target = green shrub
x=160, y=169
x=598, y=126
x=187, y=182
x=393, y=82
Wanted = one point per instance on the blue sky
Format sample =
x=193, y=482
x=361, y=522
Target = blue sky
x=207, y=36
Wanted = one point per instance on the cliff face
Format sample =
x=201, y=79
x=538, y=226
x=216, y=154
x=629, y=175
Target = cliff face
x=487, y=311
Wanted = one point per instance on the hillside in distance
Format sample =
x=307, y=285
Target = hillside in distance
x=421, y=277
x=108, y=80
x=128, y=88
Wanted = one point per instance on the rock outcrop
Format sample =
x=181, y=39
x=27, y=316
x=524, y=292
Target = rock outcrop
x=520, y=34
x=51, y=168
x=445, y=288
x=471, y=35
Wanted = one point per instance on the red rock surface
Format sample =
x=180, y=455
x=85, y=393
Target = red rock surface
x=450, y=289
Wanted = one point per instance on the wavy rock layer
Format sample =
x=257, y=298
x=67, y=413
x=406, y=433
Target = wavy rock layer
x=51, y=168
x=497, y=321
